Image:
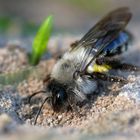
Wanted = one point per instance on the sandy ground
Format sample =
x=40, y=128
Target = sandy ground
x=112, y=114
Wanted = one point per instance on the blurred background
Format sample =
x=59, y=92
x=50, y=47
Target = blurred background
x=22, y=17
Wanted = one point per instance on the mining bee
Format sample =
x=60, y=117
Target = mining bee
x=76, y=74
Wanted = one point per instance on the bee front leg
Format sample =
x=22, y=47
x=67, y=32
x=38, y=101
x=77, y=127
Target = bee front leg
x=115, y=63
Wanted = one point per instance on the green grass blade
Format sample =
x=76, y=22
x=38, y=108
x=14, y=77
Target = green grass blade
x=41, y=40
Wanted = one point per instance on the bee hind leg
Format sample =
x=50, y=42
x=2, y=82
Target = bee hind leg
x=115, y=63
x=109, y=78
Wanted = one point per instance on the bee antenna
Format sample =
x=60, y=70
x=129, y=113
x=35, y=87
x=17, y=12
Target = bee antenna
x=34, y=94
x=40, y=109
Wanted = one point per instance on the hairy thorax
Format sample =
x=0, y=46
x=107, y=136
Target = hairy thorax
x=63, y=71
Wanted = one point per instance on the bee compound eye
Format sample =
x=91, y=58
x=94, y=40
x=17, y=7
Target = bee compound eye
x=60, y=95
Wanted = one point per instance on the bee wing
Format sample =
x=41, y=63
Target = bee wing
x=101, y=35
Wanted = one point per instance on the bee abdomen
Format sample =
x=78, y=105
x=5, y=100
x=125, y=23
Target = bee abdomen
x=119, y=45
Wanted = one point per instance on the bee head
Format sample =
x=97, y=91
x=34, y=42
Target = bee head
x=57, y=94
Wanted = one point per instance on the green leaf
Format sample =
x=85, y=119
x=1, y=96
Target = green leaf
x=41, y=40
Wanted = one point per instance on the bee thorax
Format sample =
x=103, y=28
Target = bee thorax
x=63, y=71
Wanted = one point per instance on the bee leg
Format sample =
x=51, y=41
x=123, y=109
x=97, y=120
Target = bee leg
x=34, y=94
x=36, y=117
x=74, y=44
x=72, y=105
x=110, y=78
x=116, y=64
x=47, y=78
x=127, y=67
